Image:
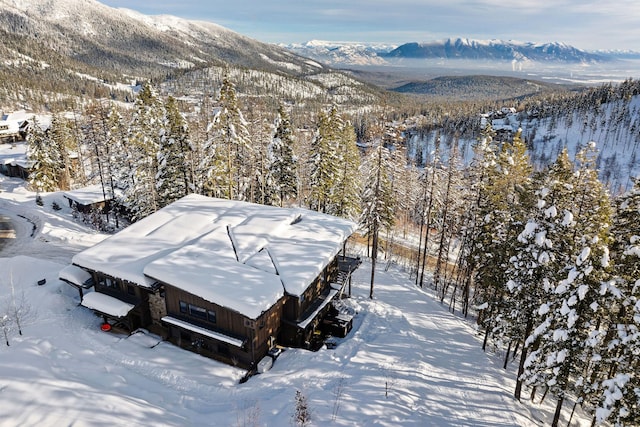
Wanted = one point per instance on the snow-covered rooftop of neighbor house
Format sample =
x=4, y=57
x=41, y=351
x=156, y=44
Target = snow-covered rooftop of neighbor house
x=12, y=153
x=240, y=255
x=88, y=195
x=14, y=120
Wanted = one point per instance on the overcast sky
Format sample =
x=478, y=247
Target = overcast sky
x=585, y=24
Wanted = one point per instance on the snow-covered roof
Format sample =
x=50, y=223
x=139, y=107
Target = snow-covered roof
x=10, y=153
x=88, y=195
x=11, y=123
x=75, y=275
x=240, y=255
x=106, y=304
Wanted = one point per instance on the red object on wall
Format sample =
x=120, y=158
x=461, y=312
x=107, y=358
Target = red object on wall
x=105, y=327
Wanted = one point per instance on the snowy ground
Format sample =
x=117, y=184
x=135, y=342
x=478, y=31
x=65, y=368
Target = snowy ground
x=408, y=361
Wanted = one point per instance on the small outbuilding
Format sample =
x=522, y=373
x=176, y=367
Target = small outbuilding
x=87, y=199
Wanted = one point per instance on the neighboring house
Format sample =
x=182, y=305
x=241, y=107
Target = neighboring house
x=91, y=198
x=226, y=279
x=13, y=160
x=13, y=149
x=13, y=126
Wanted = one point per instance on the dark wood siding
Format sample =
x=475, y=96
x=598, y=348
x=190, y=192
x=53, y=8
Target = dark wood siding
x=227, y=321
x=117, y=288
x=295, y=308
x=258, y=334
x=140, y=315
x=267, y=329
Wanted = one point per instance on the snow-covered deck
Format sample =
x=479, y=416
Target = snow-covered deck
x=106, y=304
x=202, y=331
x=305, y=322
x=241, y=255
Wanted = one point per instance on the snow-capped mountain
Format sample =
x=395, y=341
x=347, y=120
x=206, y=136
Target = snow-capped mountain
x=65, y=49
x=354, y=53
x=343, y=53
x=462, y=48
x=128, y=41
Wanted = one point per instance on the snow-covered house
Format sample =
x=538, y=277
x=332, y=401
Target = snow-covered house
x=94, y=197
x=14, y=126
x=227, y=279
x=13, y=160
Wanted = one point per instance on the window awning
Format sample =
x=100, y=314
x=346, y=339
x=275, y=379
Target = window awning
x=203, y=331
x=105, y=304
x=304, y=323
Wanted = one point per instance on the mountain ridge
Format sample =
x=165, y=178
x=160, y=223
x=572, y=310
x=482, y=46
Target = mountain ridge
x=362, y=53
x=89, y=30
x=61, y=51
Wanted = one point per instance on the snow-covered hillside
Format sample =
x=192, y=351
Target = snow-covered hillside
x=612, y=126
x=408, y=361
x=85, y=37
x=343, y=53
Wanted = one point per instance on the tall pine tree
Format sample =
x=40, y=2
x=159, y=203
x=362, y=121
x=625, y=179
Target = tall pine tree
x=281, y=161
x=174, y=177
x=45, y=158
x=378, y=201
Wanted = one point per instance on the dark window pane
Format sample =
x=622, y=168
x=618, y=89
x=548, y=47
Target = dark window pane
x=183, y=307
x=212, y=316
x=198, y=312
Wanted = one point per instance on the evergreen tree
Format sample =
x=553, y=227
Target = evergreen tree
x=616, y=397
x=485, y=150
x=44, y=155
x=539, y=258
x=263, y=188
x=145, y=133
x=120, y=158
x=324, y=162
x=345, y=196
x=281, y=161
x=173, y=179
x=64, y=140
x=227, y=159
x=505, y=201
x=378, y=200
x=570, y=331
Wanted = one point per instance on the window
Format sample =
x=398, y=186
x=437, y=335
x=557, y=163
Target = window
x=198, y=312
x=109, y=283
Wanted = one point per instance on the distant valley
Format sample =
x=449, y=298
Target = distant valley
x=394, y=66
